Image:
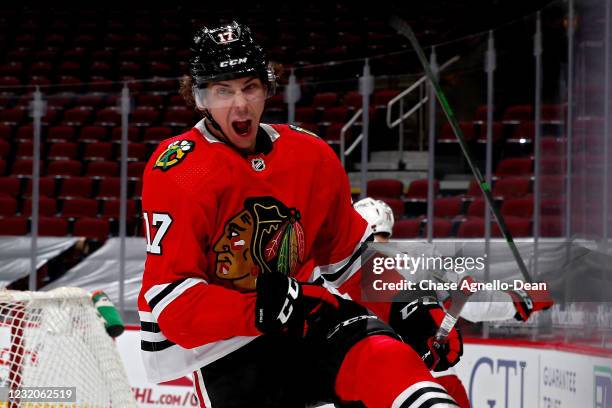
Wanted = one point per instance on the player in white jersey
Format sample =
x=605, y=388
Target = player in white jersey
x=483, y=305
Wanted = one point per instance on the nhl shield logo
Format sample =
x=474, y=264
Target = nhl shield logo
x=258, y=164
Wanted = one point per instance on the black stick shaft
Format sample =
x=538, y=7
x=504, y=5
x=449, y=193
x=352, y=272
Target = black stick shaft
x=403, y=28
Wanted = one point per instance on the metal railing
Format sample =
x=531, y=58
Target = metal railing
x=391, y=124
x=400, y=98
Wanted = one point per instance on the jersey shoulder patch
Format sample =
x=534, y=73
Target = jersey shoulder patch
x=174, y=154
x=302, y=130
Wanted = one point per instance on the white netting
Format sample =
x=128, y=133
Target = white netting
x=56, y=339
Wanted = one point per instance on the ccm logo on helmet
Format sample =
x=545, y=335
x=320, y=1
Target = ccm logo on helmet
x=232, y=62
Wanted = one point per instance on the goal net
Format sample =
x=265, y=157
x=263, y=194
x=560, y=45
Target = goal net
x=56, y=339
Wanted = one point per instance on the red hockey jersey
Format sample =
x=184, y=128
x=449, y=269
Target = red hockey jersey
x=215, y=219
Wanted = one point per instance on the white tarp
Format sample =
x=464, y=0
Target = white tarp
x=101, y=271
x=15, y=258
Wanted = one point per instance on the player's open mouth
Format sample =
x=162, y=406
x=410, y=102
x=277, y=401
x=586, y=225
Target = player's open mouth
x=242, y=127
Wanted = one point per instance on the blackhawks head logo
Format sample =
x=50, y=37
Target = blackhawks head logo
x=266, y=236
x=174, y=154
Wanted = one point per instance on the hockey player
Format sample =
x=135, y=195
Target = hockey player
x=484, y=306
x=234, y=210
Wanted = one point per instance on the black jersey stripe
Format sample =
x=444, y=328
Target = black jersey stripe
x=150, y=327
x=416, y=394
x=155, y=345
x=167, y=290
x=332, y=277
x=435, y=402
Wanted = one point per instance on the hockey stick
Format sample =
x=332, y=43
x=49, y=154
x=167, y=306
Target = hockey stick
x=403, y=28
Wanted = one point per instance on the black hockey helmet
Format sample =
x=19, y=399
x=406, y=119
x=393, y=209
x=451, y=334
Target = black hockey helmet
x=227, y=52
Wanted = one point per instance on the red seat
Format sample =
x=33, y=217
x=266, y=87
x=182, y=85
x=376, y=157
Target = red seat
x=62, y=151
x=93, y=228
x=518, y=207
x=353, y=99
x=514, y=167
x=109, y=187
x=447, y=207
x=518, y=227
x=391, y=188
x=552, y=112
x=338, y=114
x=551, y=226
x=92, y=100
x=498, y=132
x=108, y=117
x=473, y=227
x=137, y=189
x=153, y=100
x=157, y=134
x=552, y=146
x=5, y=131
x=111, y=209
x=144, y=116
x=25, y=149
x=417, y=190
x=512, y=187
x=80, y=207
x=474, y=190
x=552, y=186
x=2, y=167
x=477, y=208
x=526, y=130
x=12, y=117
x=93, y=134
x=448, y=135
x=77, y=116
x=383, y=96
x=397, y=205
x=61, y=133
x=4, y=148
x=25, y=132
x=552, y=165
x=46, y=206
x=442, y=228
x=9, y=81
x=325, y=100
x=137, y=151
x=410, y=228
x=133, y=133
x=76, y=187
x=178, y=117
x=98, y=151
x=52, y=226
x=136, y=169
x=64, y=168
x=46, y=187
x=306, y=114
x=14, y=226
x=10, y=186
x=552, y=206
x=103, y=169
x=8, y=206
x=518, y=113
x=23, y=167
x=332, y=133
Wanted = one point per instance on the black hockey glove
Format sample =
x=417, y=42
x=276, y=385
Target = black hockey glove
x=284, y=304
x=278, y=304
x=417, y=323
